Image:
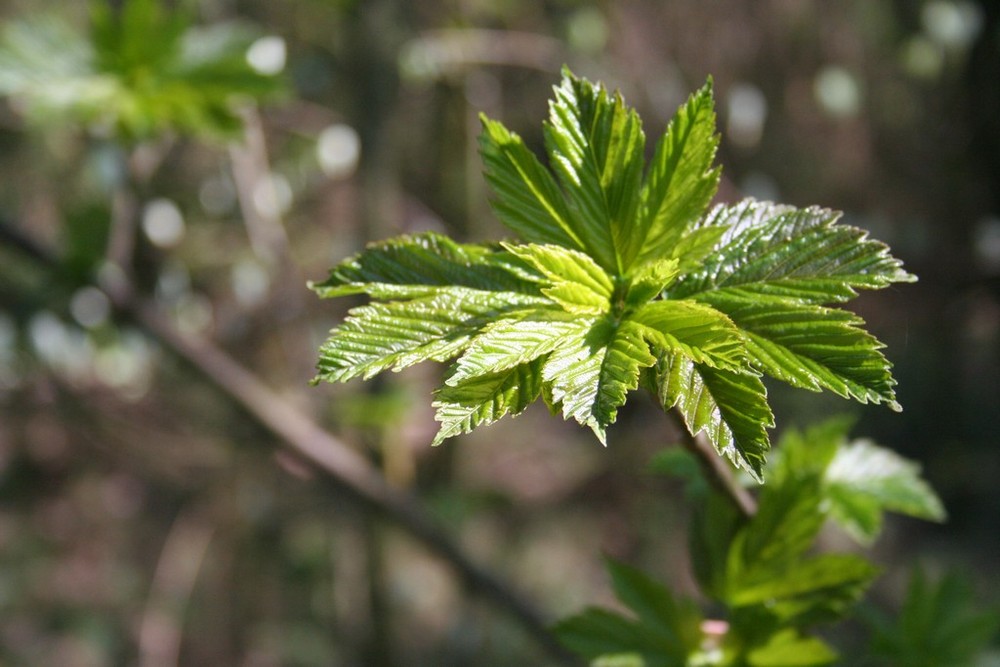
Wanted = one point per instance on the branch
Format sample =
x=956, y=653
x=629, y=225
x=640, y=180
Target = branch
x=718, y=472
x=335, y=462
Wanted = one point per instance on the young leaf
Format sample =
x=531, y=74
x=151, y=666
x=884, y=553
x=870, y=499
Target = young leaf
x=680, y=184
x=812, y=347
x=410, y=266
x=790, y=649
x=865, y=480
x=770, y=250
x=595, y=145
x=528, y=200
x=804, y=591
x=730, y=408
x=483, y=399
x=693, y=330
x=575, y=281
x=594, y=368
x=650, y=280
x=617, y=273
x=512, y=342
x=665, y=632
x=398, y=334
x=938, y=626
x=857, y=481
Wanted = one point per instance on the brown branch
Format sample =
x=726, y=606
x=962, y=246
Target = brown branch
x=715, y=468
x=335, y=462
x=180, y=561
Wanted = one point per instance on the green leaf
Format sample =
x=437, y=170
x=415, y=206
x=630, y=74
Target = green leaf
x=731, y=408
x=698, y=332
x=692, y=248
x=512, y=342
x=650, y=280
x=789, y=649
x=528, y=200
x=715, y=525
x=865, y=480
x=598, y=634
x=621, y=272
x=664, y=634
x=789, y=517
x=413, y=266
x=483, y=399
x=576, y=282
x=779, y=251
x=809, y=590
x=938, y=626
x=595, y=145
x=680, y=184
x=395, y=335
x=812, y=347
x=143, y=71
x=675, y=622
x=593, y=370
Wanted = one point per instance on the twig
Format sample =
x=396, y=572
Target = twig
x=336, y=463
x=253, y=181
x=173, y=581
x=715, y=468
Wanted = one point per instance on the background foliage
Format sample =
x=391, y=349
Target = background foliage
x=142, y=513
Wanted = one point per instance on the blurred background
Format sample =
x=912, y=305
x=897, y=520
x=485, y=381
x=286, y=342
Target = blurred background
x=145, y=518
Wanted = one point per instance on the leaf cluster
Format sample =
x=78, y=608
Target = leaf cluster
x=762, y=571
x=623, y=277
x=142, y=70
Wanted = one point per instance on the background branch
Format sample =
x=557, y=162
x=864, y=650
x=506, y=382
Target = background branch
x=335, y=462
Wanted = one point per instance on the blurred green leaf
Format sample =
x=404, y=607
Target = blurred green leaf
x=938, y=626
x=789, y=649
x=665, y=632
x=143, y=70
x=865, y=480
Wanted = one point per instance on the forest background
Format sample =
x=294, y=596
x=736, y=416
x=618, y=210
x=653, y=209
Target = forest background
x=145, y=515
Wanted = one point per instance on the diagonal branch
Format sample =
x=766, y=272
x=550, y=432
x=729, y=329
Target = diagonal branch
x=335, y=462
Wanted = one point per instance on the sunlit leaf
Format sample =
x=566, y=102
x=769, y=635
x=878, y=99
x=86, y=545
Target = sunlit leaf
x=680, y=184
x=693, y=330
x=395, y=335
x=790, y=649
x=812, y=347
x=619, y=272
x=412, y=266
x=780, y=251
x=593, y=370
x=865, y=480
x=485, y=398
x=595, y=145
x=527, y=198
x=731, y=408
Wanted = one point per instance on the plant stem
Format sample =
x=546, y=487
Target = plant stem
x=715, y=468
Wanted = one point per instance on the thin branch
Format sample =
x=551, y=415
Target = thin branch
x=255, y=186
x=180, y=561
x=335, y=462
x=718, y=472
